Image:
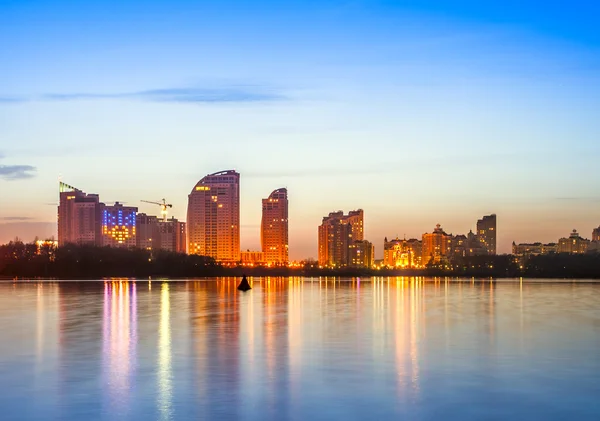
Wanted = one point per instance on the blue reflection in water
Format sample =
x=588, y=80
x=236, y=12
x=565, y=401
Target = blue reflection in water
x=300, y=349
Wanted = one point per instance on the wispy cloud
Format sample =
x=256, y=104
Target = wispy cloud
x=17, y=218
x=230, y=94
x=11, y=99
x=16, y=172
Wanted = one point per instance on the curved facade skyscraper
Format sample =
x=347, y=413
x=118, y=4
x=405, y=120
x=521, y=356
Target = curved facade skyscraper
x=274, y=227
x=213, y=217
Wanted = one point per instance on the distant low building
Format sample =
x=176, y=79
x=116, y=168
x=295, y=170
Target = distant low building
x=402, y=253
x=460, y=246
x=594, y=247
x=575, y=244
x=252, y=258
x=596, y=234
x=533, y=249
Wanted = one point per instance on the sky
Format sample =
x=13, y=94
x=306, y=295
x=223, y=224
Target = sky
x=418, y=112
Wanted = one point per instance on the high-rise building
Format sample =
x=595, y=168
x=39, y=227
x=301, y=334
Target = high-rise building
x=147, y=233
x=575, y=244
x=486, y=233
x=213, y=217
x=596, y=234
x=336, y=233
x=274, y=228
x=355, y=221
x=437, y=246
x=79, y=219
x=181, y=237
x=361, y=254
x=172, y=235
x=155, y=234
x=119, y=225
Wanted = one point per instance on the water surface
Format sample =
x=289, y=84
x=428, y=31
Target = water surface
x=300, y=349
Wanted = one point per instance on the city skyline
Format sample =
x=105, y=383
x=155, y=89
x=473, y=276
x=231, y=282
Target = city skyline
x=87, y=217
x=420, y=113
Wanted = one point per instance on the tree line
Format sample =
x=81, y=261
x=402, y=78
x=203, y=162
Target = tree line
x=21, y=260
x=90, y=262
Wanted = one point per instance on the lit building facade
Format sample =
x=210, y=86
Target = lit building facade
x=253, y=258
x=361, y=254
x=594, y=247
x=79, y=217
x=46, y=247
x=336, y=233
x=402, y=254
x=153, y=233
x=274, y=228
x=474, y=246
x=437, y=246
x=533, y=249
x=213, y=217
x=119, y=225
x=486, y=232
x=355, y=220
x=575, y=244
x=460, y=246
x=596, y=234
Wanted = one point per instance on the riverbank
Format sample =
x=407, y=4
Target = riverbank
x=85, y=262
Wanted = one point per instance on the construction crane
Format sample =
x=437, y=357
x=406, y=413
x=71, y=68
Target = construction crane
x=163, y=207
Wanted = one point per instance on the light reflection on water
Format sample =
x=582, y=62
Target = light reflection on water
x=300, y=349
x=164, y=354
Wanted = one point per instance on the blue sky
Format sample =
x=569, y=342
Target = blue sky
x=418, y=112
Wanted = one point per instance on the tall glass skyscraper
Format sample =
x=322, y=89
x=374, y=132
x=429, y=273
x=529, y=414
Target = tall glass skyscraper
x=213, y=217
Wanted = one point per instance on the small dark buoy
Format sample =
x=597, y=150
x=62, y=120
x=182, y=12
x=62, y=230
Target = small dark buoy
x=244, y=285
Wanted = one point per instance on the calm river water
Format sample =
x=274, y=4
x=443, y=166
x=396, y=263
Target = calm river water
x=300, y=349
